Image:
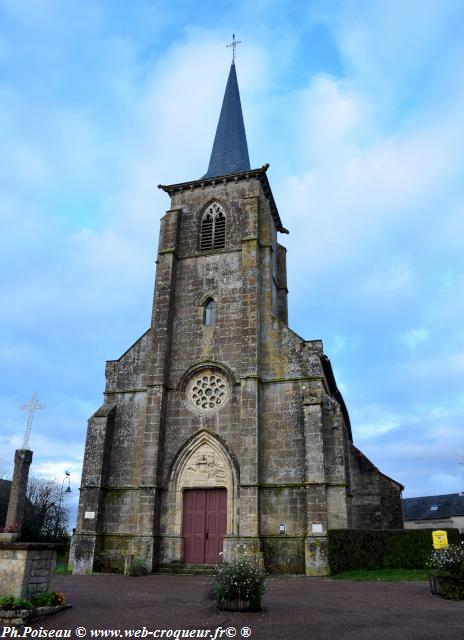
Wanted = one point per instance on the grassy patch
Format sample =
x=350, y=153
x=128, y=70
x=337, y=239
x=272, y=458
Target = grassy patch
x=61, y=568
x=383, y=575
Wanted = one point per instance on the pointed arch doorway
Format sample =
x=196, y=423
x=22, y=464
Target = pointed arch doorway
x=201, y=505
x=204, y=525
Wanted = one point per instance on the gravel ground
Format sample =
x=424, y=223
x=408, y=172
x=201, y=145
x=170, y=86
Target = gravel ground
x=293, y=608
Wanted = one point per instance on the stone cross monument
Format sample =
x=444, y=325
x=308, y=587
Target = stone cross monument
x=26, y=568
x=23, y=459
x=15, y=513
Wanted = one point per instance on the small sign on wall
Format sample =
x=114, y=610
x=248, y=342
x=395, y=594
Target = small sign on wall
x=316, y=527
x=89, y=515
x=282, y=529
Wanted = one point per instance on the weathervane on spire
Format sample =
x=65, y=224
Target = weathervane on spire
x=31, y=407
x=234, y=44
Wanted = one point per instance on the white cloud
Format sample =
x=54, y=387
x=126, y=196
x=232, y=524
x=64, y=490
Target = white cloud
x=442, y=483
x=373, y=419
x=396, y=279
x=392, y=48
x=446, y=365
x=373, y=430
x=338, y=343
x=56, y=470
x=333, y=121
x=362, y=195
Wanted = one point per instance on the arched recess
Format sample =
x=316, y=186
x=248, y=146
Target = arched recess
x=199, y=366
x=209, y=312
x=203, y=462
x=212, y=226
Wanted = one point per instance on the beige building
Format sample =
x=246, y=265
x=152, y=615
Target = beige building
x=221, y=426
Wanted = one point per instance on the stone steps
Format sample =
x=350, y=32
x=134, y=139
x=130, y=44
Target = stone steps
x=186, y=569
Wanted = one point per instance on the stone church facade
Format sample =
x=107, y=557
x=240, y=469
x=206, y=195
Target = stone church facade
x=221, y=426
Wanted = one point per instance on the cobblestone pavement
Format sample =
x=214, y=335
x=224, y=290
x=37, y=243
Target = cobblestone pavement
x=293, y=608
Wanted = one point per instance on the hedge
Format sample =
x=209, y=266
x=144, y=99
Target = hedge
x=381, y=549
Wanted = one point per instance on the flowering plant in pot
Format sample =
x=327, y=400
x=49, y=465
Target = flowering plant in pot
x=240, y=584
x=9, y=533
x=447, y=571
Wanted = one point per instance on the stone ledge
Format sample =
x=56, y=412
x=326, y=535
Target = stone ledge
x=20, y=617
x=26, y=568
x=31, y=546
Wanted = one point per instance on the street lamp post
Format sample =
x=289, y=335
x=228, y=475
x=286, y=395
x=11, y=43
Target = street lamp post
x=68, y=490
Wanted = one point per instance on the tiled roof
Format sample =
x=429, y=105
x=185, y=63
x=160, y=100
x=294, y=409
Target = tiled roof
x=230, y=149
x=433, y=507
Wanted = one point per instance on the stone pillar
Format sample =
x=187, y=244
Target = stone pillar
x=248, y=538
x=84, y=544
x=316, y=494
x=14, y=516
x=148, y=541
x=316, y=555
x=337, y=510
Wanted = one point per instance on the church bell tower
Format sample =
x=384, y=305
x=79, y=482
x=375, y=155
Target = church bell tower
x=221, y=426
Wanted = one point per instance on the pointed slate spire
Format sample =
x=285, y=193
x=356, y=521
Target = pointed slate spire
x=230, y=149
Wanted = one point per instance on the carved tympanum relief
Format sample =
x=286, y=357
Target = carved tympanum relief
x=205, y=466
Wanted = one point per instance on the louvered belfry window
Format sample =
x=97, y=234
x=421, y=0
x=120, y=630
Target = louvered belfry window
x=213, y=228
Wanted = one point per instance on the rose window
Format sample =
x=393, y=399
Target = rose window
x=207, y=390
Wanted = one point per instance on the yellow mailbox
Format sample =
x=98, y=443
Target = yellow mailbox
x=440, y=539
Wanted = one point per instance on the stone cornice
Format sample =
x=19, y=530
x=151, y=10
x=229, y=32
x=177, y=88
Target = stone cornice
x=259, y=174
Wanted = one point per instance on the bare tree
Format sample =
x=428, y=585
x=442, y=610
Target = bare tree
x=46, y=514
x=6, y=472
x=6, y=469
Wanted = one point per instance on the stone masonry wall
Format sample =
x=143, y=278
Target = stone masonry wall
x=282, y=447
x=283, y=505
x=128, y=372
x=376, y=502
x=26, y=569
x=199, y=278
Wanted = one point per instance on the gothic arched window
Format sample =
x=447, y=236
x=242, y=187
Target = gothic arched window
x=213, y=228
x=209, y=312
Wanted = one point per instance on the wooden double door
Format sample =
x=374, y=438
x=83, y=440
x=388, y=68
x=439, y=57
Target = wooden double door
x=204, y=525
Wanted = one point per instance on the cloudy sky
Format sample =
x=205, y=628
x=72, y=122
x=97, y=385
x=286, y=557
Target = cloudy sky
x=357, y=106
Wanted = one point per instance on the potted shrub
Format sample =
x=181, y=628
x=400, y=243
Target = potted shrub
x=138, y=567
x=239, y=585
x=11, y=603
x=447, y=572
x=16, y=612
x=48, y=599
x=9, y=534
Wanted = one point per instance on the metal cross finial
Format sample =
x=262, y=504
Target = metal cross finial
x=234, y=44
x=31, y=407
